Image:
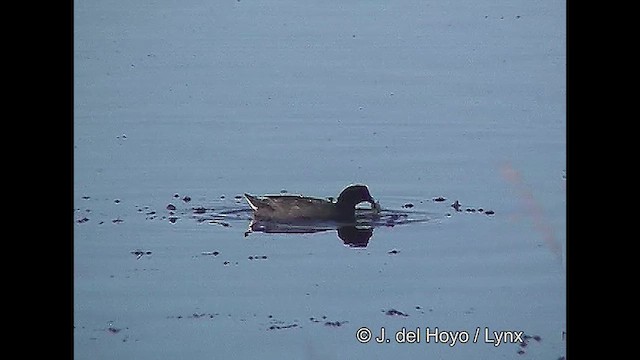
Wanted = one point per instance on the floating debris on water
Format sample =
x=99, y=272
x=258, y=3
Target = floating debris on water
x=278, y=327
x=525, y=342
x=278, y=324
x=140, y=253
x=313, y=319
x=194, y=315
x=225, y=224
x=335, y=323
x=394, y=312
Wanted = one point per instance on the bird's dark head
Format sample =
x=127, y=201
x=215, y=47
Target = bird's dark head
x=352, y=195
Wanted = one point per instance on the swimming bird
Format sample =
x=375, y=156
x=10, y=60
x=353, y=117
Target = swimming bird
x=286, y=208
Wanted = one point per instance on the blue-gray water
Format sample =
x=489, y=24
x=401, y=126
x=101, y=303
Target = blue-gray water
x=418, y=100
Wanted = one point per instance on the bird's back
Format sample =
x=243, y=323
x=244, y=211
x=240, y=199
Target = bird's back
x=291, y=207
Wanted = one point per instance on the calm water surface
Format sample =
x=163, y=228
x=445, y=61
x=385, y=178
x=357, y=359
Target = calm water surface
x=417, y=100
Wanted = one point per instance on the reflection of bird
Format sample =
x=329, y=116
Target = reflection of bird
x=297, y=207
x=355, y=237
